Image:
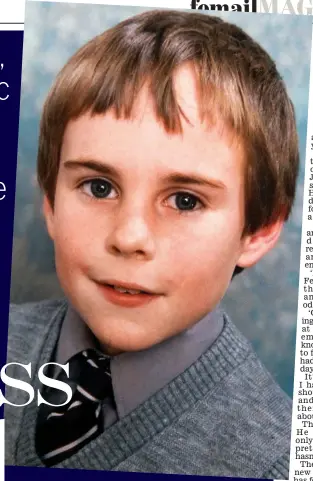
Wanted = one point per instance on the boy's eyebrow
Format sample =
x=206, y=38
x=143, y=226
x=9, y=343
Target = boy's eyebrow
x=172, y=178
x=95, y=165
x=178, y=178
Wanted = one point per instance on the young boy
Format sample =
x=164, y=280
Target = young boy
x=168, y=159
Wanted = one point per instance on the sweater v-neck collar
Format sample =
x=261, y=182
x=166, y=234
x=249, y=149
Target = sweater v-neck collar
x=130, y=433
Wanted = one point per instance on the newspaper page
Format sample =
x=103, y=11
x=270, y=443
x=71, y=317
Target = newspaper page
x=203, y=308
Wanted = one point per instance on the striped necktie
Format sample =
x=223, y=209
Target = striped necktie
x=62, y=431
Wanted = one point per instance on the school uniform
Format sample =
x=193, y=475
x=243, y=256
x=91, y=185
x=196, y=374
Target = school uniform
x=199, y=403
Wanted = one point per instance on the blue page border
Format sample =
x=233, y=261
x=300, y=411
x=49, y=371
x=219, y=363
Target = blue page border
x=11, y=49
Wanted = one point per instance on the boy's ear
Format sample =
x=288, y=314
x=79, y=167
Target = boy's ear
x=48, y=215
x=256, y=245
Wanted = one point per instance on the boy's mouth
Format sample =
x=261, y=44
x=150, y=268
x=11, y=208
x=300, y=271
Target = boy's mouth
x=127, y=295
x=127, y=291
x=127, y=287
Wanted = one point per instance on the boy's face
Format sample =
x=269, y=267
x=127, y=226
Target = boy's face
x=140, y=209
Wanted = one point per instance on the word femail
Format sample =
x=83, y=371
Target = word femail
x=45, y=380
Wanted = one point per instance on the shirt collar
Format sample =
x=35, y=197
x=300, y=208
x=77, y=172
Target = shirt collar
x=138, y=375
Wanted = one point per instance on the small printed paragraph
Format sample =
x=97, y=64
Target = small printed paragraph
x=304, y=383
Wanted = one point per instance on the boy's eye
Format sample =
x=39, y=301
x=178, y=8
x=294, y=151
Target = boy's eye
x=99, y=188
x=184, y=201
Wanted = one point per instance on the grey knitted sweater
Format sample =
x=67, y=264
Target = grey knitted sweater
x=223, y=416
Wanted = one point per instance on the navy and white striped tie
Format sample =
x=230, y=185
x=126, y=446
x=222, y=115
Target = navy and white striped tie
x=62, y=431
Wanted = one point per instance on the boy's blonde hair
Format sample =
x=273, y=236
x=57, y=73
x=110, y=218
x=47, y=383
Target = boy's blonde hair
x=237, y=82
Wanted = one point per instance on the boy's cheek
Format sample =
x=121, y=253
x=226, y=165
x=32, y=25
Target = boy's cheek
x=73, y=230
x=48, y=213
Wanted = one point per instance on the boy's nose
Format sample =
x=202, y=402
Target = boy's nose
x=131, y=235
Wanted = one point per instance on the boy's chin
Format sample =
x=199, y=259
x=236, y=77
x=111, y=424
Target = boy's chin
x=130, y=339
x=128, y=345
x=110, y=351
x=120, y=348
